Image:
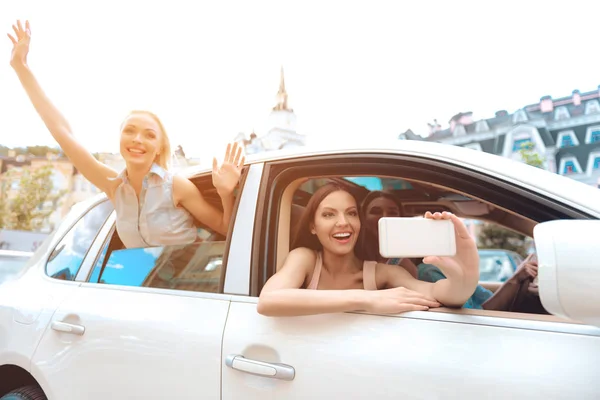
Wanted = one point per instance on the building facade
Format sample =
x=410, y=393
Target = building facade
x=281, y=132
x=564, y=132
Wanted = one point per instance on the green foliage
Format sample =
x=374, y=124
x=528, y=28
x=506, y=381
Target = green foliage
x=27, y=209
x=530, y=156
x=493, y=236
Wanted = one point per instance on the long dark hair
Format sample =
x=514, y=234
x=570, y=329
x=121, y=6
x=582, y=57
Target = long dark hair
x=303, y=236
x=370, y=246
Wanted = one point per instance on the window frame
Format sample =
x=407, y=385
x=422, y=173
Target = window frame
x=563, y=163
x=279, y=174
x=591, y=160
x=562, y=135
x=58, y=239
x=588, y=133
x=109, y=229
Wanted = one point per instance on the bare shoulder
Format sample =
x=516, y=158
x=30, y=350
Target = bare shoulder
x=302, y=255
x=183, y=188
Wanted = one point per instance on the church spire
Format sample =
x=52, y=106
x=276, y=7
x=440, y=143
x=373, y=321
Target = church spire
x=281, y=97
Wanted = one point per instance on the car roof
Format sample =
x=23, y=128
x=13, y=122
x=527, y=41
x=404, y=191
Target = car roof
x=583, y=196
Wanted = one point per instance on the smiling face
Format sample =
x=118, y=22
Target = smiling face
x=141, y=140
x=337, y=223
x=377, y=209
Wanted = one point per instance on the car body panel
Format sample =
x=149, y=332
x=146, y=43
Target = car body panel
x=137, y=344
x=351, y=355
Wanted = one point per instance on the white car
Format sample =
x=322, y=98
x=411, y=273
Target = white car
x=90, y=320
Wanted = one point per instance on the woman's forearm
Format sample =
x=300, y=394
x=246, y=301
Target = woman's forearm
x=55, y=122
x=501, y=299
x=227, y=201
x=455, y=290
x=297, y=302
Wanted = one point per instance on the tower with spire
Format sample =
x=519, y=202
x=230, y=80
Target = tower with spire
x=281, y=132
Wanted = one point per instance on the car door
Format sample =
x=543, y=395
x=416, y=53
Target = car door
x=439, y=354
x=148, y=323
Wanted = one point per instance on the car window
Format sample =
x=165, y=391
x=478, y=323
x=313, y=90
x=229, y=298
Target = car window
x=501, y=250
x=66, y=258
x=193, y=267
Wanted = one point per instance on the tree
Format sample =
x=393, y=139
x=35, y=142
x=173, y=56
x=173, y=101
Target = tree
x=529, y=156
x=33, y=190
x=492, y=236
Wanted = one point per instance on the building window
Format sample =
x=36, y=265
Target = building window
x=561, y=113
x=569, y=168
x=592, y=107
x=569, y=165
x=519, y=116
x=520, y=143
x=593, y=134
x=567, y=139
x=593, y=164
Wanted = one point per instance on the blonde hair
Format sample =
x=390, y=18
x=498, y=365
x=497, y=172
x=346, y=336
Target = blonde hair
x=164, y=157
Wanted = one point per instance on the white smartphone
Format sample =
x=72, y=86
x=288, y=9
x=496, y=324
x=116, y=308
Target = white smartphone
x=416, y=237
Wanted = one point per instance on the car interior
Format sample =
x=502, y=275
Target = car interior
x=415, y=198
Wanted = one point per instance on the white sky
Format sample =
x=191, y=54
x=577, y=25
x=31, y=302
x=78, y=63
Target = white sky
x=355, y=71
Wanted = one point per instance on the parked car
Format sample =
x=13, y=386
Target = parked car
x=498, y=265
x=11, y=263
x=92, y=320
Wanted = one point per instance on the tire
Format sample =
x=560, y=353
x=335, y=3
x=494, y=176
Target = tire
x=25, y=393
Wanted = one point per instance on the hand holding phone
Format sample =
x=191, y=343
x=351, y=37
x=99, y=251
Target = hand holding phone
x=416, y=237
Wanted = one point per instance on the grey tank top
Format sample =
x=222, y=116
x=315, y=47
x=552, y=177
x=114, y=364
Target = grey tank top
x=153, y=220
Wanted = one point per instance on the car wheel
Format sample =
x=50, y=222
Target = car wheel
x=25, y=393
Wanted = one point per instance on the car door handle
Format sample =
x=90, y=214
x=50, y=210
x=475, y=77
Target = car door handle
x=68, y=328
x=269, y=370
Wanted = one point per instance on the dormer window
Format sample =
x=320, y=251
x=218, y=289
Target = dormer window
x=567, y=139
x=520, y=143
x=519, y=116
x=593, y=165
x=459, y=130
x=592, y=135
x=569, y=165
x=592, y=107
x=561, y=113
x=482, y=126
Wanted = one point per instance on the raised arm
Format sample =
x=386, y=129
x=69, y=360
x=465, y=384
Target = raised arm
x=461, y=271
x=282, y=294
x=225, y=179
x=82, y=159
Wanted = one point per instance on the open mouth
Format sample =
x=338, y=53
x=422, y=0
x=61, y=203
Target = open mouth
x=342, y=237
x=136, y=151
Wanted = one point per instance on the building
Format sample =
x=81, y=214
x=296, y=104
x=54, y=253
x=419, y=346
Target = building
x=281, y=132
x=565, y=132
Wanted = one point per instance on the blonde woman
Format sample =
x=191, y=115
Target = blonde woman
x=154, y=207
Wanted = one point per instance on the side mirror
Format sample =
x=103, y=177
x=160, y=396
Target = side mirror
x=568, y=254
